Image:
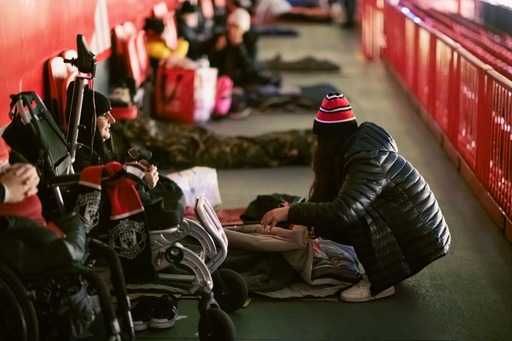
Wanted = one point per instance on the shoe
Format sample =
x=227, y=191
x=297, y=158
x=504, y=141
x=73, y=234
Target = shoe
x=141, y=312
x=240, y=115
x=274, y=102
x=348, y=25
x=274, y=62
x=164, y=312
x=360, y=292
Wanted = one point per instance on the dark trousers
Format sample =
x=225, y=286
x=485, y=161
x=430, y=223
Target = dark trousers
x=350, y=9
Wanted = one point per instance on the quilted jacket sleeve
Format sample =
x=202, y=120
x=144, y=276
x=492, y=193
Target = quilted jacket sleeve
x=364, y=180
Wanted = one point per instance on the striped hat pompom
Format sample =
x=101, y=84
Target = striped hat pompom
x=334, y=117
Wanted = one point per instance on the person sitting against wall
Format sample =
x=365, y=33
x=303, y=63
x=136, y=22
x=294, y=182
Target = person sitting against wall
x=194, y=30
x=18, y=186
x=97, y=145
x=98, y=148
x=235, y=55
x=157, y=46
x=56, y=243
x=19, y=182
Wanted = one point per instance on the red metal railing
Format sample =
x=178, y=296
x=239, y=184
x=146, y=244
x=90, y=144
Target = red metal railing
x=500, y=165
x=372, y=37
x=466, y=99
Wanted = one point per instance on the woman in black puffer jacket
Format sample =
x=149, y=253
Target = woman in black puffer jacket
x=366, y=195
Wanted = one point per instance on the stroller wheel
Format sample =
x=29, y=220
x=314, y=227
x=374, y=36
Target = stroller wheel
x=216, y=325
x=230, y=289
x=18, y=319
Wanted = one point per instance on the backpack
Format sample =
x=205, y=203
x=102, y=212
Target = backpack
x=34, y=133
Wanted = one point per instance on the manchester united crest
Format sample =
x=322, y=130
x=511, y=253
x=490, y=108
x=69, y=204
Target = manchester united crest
x=128, y=238
x=87, y=206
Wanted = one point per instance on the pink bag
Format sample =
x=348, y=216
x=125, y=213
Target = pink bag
x=223, y=95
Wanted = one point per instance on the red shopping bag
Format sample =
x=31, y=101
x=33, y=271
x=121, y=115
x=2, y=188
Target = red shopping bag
x=185, y=95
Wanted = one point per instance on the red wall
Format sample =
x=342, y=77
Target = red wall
x=32, y=31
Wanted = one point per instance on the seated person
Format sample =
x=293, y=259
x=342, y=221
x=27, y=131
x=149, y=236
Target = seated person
x=51, y=244
x=18, y=187
x=96, y=143
x=157, y=47
x=98, y=148
x=235, y=55
x=235, y=51
x=192, y=29
x=18, y=197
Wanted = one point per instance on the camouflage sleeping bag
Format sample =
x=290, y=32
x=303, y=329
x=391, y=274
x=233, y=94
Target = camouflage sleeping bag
x=180, y=146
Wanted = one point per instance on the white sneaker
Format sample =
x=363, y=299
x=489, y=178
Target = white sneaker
x=360, y=292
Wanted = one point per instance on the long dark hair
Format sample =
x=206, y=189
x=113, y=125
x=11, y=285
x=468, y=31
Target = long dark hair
x=327, y=164
x=323, y=187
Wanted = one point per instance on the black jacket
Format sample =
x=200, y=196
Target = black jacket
x=240, y=63
x=384, y=208
x=200, y=41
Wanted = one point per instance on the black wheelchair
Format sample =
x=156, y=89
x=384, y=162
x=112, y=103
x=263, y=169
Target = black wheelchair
x=47, y=292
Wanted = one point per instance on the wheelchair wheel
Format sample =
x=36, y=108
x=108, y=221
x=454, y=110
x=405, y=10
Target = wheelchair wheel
x=18, y=319
x=230, y=289
x=216, y=325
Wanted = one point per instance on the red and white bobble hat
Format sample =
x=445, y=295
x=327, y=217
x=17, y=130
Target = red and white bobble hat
x=334, y=117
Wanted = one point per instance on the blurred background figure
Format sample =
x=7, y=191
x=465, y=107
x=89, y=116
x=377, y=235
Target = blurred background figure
x=195, y=30
x=157, y=47
x=350, y=12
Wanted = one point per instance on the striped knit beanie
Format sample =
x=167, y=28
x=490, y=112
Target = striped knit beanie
x=334, y=117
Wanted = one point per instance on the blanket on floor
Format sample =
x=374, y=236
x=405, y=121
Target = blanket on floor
x=286, y=263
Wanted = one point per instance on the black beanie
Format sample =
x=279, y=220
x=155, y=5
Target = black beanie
x=334, y=117
x=187, y=7
x=101, y=102
x=154, y=24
